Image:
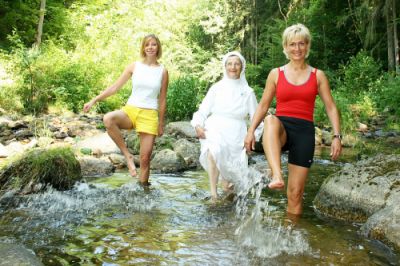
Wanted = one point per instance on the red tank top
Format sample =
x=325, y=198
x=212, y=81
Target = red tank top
x=296, y=100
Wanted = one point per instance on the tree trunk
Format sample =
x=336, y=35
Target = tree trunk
x=40, y=25
x=390, y=41
x=396, y=39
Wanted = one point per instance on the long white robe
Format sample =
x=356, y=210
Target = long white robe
x=223, y=113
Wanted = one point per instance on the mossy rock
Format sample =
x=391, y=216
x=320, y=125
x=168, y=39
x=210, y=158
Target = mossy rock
x=39, y=168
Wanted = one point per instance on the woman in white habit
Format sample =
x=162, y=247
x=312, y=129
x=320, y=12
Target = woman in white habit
x=220, y=124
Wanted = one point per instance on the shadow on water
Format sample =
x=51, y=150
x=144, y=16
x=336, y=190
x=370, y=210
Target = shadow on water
x=115, y=221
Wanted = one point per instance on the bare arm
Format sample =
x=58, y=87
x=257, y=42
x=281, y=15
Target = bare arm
x=162, y=102
x=262, y=108
x=125, y=76
x=331, y=110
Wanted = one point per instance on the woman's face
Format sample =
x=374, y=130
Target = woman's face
x=297, y=48
x=233, y=67
x=151, y=48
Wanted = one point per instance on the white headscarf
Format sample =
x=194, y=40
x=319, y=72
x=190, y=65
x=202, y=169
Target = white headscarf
x=242, y=79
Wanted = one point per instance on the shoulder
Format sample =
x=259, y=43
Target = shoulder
x=273, y=75
x=321, y=77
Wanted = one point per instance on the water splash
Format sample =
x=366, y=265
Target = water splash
x=258, y=229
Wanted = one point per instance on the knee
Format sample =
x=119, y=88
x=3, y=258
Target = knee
x=271, y=121
x=108, y=120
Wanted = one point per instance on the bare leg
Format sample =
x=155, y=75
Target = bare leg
x=296, y=183
x=213, y=174
x=146, y=148
x=114, y=122
x=273, y=139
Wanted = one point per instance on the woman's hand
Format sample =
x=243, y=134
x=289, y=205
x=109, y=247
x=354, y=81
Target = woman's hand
x=336, y=148
x=201, y=132
x=249, y=142
x=88, y=105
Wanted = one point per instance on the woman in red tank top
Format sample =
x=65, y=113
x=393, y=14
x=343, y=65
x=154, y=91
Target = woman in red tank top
x=295, y=86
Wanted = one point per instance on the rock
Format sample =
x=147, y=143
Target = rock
x=189, y=151
x=182, y=128
x=326, y=137
x=133, y=143
x=384, y=225
x=368, y=191
x=57, y=167
x=3, y=151
x=362, y=127
x=101, y=141
x=14, y=254
x=168, y=161
x=93, y=167
x=119, y=161
x=15, y=125
x=23, y=133
x=318, y=136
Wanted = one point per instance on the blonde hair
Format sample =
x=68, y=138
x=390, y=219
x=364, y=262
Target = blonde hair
x=297, y=30
x=145, y=40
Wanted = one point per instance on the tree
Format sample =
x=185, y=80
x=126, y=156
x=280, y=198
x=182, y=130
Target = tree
x=40, y=24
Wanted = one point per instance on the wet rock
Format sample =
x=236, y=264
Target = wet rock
x=14, y=254
x=384, y=225
x=182, y=128
x=168, y=161
x=57, y=167
x=189, y=151
x=94, y=167
x=365, y=192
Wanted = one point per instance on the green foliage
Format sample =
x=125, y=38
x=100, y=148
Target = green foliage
x=183, y=98
x=360, y=73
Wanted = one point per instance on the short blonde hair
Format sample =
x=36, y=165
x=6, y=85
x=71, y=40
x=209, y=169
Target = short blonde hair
x=297, y=30
x=145, y=40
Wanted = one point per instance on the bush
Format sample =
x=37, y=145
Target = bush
x=183, y=98
x=360, y=73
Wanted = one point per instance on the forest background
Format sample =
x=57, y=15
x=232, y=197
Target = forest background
x=57, y=54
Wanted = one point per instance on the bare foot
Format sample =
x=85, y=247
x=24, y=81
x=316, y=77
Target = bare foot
x=277, y=184
x=131, y=166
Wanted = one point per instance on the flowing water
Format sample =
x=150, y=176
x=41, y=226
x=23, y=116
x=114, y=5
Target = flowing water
x=114, y=221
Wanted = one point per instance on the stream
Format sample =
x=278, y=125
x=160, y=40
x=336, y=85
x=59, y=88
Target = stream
x=115, y=221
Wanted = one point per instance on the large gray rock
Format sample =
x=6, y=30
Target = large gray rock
x=181, y=128
x=189, y=151
x=101, y=142
x=368, y=191
x=13, y=254
x=168, y=161
x=94, y=167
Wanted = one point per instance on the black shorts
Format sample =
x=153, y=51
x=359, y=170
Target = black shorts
x=300, y=140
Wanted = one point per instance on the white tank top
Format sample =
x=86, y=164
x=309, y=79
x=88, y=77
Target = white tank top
x=146, y=85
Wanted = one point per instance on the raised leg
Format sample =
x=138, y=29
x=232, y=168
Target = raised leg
x=114, y=122
x=146, y=148
x=273, y=140
x=296, y=183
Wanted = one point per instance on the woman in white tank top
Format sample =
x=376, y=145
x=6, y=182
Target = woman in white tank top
x=145, y=109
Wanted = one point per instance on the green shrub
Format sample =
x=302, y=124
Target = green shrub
x=360, y=73
x=183, y=97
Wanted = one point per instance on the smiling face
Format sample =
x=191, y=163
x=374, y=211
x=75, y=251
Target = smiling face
x=233, y=67
x=297, y=48
x=151, y=46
